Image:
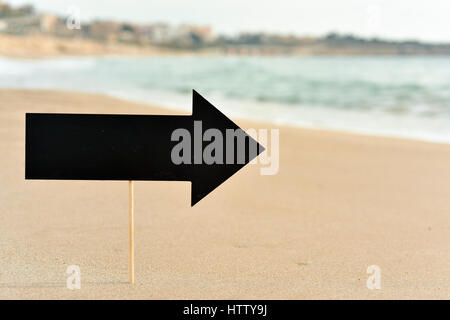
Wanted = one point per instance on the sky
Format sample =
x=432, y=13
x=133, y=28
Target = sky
x=426, y=20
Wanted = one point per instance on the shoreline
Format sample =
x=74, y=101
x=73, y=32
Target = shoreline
x=405, y=121
x=339, y=203
x=261, y=122
x=272, y=124
x=40, y=46
x=249, y=119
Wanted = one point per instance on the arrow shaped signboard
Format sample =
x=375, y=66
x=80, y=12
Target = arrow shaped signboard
x=205, y=148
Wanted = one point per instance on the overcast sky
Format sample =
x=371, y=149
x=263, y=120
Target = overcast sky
x=395, y=19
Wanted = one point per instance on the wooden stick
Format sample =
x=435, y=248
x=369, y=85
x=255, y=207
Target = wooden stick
x=131, y=211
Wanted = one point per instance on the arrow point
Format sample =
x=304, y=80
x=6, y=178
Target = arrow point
x=208, y=177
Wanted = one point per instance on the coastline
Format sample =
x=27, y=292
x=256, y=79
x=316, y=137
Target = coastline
x=340, y=203
x=418, y=114
x=39, y=46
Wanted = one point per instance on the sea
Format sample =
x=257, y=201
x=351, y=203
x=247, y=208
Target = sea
x=396, y=96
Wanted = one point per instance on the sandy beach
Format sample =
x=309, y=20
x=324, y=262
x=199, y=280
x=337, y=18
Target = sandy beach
x=41, y=46
x=340, y=203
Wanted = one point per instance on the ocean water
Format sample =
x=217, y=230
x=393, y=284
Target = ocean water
x=389, y=96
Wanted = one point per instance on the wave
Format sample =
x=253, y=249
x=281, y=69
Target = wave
x=402, y=97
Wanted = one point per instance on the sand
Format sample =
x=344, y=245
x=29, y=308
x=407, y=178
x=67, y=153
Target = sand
x=340, y=203
x=41, y=46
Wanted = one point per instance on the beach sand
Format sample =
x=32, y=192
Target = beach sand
x=340, y=203
x=41, y=46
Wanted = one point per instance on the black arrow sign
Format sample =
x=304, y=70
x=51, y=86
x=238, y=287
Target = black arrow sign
x=135, y=147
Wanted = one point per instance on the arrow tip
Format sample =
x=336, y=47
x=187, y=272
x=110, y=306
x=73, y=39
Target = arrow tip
x=206, y=177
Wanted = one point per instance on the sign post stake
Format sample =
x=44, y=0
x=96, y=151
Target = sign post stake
x=131, y=211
